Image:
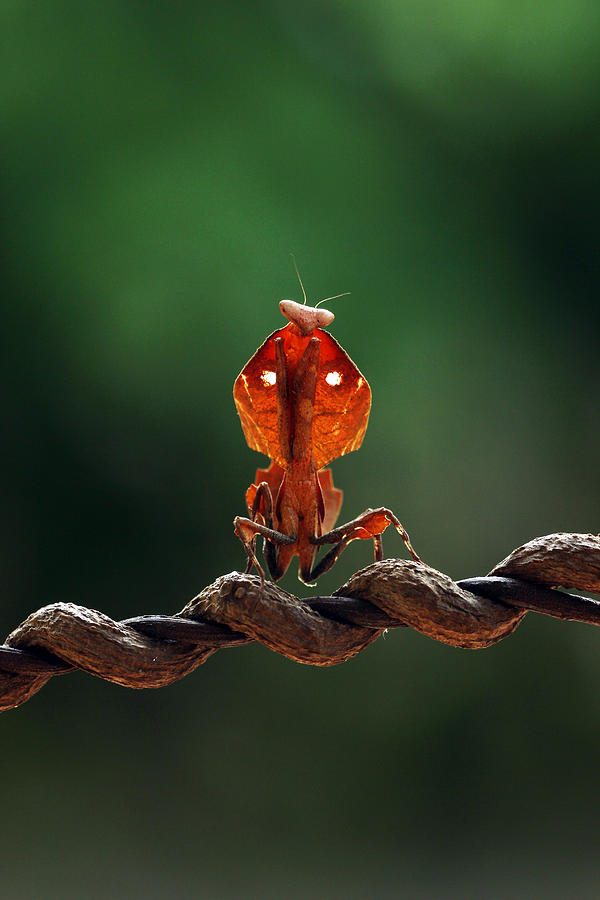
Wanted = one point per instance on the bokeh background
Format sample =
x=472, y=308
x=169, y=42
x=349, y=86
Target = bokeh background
x=159, y=163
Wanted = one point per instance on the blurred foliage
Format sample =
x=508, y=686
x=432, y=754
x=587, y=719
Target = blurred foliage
x=160, y=162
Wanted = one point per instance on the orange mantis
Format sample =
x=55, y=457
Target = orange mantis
x=303, y=403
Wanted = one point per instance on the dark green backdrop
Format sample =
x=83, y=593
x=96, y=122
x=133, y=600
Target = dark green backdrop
x=159, y=163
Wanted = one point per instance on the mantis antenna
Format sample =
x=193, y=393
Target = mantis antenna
x=335, y=296
x=299, y=279
x=326, y=299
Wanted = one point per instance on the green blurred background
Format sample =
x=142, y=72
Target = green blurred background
x=160, y=162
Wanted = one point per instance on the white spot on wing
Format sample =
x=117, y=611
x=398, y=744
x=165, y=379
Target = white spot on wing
x=268, y=377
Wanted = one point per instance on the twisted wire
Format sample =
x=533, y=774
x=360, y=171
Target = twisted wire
x=153, y=651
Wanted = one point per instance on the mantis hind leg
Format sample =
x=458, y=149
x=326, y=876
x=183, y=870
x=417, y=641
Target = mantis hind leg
x=369, y=525
x=248, y=529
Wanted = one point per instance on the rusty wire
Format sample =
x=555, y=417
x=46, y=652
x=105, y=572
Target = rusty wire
x=153, y=651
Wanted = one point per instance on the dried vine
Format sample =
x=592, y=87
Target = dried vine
x=153, y=651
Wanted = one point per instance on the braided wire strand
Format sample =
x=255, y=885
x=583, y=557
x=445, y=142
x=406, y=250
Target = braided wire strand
x=153, y=651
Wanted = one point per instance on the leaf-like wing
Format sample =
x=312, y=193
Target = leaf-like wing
x=332, y=500
x=255, y=395
x=342, y=398
x=342, y=404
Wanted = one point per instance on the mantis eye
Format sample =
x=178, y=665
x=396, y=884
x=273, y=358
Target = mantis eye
x=334, y=378
x=268, y=377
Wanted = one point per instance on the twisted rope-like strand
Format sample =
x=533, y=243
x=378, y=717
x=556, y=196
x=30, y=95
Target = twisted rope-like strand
x=153, y=651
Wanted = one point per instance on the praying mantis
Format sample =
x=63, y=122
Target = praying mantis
x=303, y=403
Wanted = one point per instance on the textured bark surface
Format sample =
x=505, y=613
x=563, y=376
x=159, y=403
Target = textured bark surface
x=95, y=643
x=562, y=559
x=279, y=621
x=430, y=602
